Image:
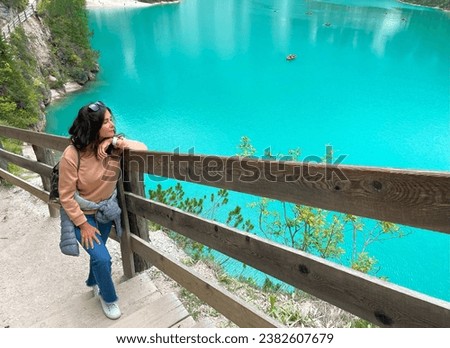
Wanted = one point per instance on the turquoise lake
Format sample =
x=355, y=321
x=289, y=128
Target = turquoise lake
x=371, y=79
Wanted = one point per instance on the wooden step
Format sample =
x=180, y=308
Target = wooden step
x=84, y=312
x=189, y=322
x=165, y=312
x=203, y=323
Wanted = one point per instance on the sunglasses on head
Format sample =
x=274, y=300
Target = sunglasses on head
x=96, y=106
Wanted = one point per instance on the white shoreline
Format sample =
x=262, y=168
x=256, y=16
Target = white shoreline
x=123, y=3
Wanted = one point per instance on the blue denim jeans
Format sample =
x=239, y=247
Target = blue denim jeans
x=100, y=261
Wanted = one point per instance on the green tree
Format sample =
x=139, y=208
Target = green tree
x=18, y=5
x=68, y=23
x=208, y=207
x=318, y=231
x=18, y=98
x=246, y=148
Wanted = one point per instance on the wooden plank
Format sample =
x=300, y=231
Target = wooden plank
x=134, y=182
x=3, y=162
x=380, y=302
x=15, y=180
x=46, y=156
x=166, y=312
x=414, y=198
x=41, y=139
x=84, y=311
x=203, y=324
x=232, y=307
x=34, y=166
x=185, y=323
x=125, y=246
x=137, y=289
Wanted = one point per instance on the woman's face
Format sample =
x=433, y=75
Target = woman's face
x=108, y=129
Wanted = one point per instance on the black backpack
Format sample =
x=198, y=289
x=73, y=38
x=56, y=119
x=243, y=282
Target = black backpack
x=54, y=180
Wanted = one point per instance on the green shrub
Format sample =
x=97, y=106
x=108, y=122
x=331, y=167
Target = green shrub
x=18, y=5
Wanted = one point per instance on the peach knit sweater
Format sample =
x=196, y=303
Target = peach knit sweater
x=95, y=180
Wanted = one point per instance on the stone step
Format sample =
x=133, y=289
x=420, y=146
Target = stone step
x=85, y=311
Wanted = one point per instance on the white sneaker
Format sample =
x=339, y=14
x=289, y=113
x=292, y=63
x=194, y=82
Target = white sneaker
x=111, y=310
x=96, y=290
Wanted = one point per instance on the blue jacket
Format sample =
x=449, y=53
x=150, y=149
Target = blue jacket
x=107, y=210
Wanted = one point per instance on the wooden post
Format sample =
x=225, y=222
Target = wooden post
x=3, y=163
x=134, y=182
x=125, y=247
x=46, y=156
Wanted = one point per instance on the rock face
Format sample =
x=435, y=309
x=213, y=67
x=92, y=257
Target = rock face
x=5, y=15
x=70, y=87
x=39, y=37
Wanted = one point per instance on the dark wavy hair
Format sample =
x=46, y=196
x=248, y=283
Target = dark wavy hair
x=84, y=132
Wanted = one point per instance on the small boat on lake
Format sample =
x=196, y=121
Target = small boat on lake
x=291, y=56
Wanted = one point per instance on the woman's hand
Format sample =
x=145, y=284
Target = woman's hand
x=88, y=235
x=102, y=147
x=123, y=144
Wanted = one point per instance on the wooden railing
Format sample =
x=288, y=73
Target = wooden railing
x=414, y=198
x=19, y=19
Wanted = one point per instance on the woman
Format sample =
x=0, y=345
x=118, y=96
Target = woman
x=86, y=180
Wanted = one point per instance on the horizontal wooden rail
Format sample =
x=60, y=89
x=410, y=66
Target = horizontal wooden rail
x=39, y=193
x=35, y=166
x=49, y=141
x=414, y=198
x=232, y=307
x=368, y=297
